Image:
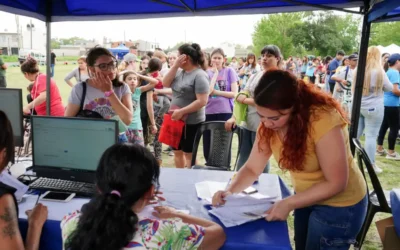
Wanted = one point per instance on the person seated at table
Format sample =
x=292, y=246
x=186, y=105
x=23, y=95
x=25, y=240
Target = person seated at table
x=127, y=178
x=10, y=237
x=306, y=131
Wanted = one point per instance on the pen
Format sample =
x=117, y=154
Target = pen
x=38, y=198
x=229, y=182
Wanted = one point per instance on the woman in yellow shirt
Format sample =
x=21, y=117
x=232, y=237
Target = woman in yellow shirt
x=306, y=131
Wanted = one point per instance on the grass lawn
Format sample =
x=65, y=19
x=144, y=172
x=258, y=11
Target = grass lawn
x=389, y=178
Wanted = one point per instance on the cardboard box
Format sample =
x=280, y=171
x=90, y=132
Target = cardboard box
x=387, y=233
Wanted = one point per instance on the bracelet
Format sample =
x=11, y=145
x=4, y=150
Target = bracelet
x=108, y=93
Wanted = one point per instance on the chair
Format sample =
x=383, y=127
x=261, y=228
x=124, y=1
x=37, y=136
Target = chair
x=220, y=146
x=377, y=201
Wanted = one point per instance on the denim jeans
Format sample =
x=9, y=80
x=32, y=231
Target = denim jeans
x=52, y=70
x=245, y=148
x=122, y=138
x=370, y=120
x=326, y=227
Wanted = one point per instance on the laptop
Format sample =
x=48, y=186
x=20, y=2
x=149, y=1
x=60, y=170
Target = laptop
x=66, y=152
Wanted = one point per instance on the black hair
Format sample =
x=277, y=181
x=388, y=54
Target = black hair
x=154, y=65
x=194, y=52
x=150, y=54
x=327, y=59
x=30, y=66
x=107, y=222
x=273, y=50
x=6, y=139
x=94, y=53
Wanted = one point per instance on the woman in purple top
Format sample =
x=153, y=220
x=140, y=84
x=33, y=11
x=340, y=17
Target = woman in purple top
x=223, y=88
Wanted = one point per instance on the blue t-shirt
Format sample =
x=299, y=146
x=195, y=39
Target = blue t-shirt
x=333, y=66
x=310, y=69
x=136, y=121
x=390, y=99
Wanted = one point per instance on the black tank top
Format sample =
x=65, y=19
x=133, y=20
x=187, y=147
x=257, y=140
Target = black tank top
x=5, y=189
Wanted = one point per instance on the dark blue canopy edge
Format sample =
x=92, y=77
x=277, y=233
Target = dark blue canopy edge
x=385, y=11
x=95, y=10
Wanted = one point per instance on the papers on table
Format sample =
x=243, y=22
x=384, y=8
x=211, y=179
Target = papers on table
x=11, y=181
x=239, y=208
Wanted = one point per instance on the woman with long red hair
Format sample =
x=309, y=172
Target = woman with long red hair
x=306, y=131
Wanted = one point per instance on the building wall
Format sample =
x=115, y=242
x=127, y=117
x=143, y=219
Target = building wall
x=9, y=43
x=69, y=52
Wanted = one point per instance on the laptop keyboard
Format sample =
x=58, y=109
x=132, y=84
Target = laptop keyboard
x=80, y=188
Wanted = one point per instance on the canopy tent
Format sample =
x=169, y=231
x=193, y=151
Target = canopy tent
x=385, y=11
x=391, y=49
x=119, y=51
x=78, y=10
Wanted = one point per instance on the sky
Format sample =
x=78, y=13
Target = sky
x=206, y=31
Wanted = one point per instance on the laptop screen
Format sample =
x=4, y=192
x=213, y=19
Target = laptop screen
x=11, y=104
x=71, y=143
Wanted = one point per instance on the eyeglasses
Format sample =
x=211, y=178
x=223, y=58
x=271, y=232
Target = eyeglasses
x=107, y=66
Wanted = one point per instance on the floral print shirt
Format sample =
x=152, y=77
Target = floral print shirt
x=171, y=234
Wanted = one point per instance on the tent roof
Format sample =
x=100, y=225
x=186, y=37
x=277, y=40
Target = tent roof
x=120, y=48
x=78, y=10
x=385, y=11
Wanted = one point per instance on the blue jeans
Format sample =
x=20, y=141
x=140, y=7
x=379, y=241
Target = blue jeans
x=370, y=120
x=52, y=70
x=248, y=138
x=326, y=227
x=122, y=138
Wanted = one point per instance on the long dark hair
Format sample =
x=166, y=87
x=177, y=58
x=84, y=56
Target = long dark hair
x=280, y=90
x=254, y=64
x=6, y=138
x=195, y=53
x=94, y=53
x=107, y=222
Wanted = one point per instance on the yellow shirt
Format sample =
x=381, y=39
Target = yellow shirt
x=322, y=122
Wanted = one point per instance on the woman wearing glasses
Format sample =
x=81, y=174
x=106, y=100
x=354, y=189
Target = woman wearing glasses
x=105, y=94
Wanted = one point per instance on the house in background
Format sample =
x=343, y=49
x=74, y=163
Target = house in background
x=9, y=43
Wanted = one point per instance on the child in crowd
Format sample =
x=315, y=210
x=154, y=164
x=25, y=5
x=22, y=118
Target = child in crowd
x=135, y=129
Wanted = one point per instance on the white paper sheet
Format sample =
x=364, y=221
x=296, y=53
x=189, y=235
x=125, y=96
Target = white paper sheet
x=57, y=210
x=9, y=180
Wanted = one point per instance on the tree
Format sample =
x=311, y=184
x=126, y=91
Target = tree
x=324, y=33
x=275, y=29
x=175, y=47
x=55, y=44
x=385, y=33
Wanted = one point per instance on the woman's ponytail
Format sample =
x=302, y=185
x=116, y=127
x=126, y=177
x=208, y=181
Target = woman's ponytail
x=106, y=222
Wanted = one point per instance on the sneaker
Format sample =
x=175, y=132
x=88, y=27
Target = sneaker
x=377, y=169
x=381, y=153
x=395, y=156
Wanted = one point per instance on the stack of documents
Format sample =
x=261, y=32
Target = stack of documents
x=239, y=208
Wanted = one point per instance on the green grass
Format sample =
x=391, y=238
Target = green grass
x=389, y=178
x=13, y=58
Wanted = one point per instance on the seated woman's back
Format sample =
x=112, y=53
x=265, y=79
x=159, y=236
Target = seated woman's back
x=127, y=177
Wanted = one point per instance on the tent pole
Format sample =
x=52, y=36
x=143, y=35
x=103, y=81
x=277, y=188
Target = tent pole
x=49, y=6
x=48, y=65
x=362, y=62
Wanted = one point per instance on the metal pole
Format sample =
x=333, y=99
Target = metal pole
x=48, y=65
x=362, y=62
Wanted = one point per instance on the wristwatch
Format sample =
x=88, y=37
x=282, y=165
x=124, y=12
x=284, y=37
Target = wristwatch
x=108, y=93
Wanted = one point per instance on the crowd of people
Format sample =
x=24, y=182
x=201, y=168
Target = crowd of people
x=296, y=110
